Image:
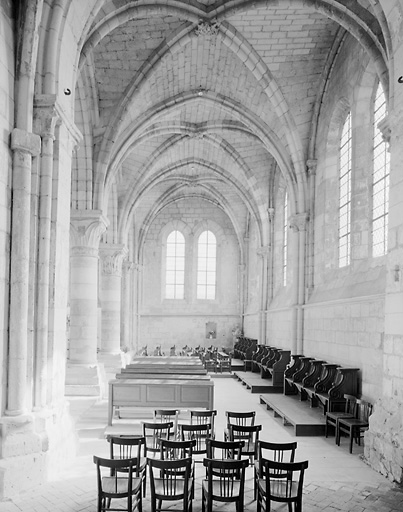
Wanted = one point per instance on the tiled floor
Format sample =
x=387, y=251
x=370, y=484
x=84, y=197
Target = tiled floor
x=335, y=480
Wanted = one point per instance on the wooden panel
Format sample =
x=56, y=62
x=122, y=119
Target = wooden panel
x=160, y=393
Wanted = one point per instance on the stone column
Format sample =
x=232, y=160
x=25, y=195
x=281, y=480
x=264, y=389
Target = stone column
x=311, y=168
x=270, y=276
x=111, y=259
x=298, y=223
x=127, y=305
x=45, y=121
x=264, y=253
x=86, y=229
x=137, y=286
x=24, y=146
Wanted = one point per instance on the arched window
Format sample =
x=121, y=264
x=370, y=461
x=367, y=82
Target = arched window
x=345, y=194
x=380, y=180
x=175, y=266
x=206, y=265
x=285, y=239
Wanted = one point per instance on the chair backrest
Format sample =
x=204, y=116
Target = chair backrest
x=171, y=450
x=224, y=450
x=350, y=404
x=240, y=418
x=278, y=452
x=284, y=480
x=153, y=432
x=110, y=482
x=230, y=475
x=126, y=447
x=166, y=415
x=247, y=433
x=170, y=479
x=201, y=417
x=199, y=433
x=363, y=409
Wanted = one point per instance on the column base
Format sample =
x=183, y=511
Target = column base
x=83, y=380
x=109, y=365
x=32, y=446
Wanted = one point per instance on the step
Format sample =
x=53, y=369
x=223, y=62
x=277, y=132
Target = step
x=305, y=420
x=256, y=384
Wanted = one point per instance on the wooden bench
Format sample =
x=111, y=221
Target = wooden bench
x=322, y=383
x=159, y=393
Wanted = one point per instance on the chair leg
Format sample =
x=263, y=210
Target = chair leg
x=351, y=440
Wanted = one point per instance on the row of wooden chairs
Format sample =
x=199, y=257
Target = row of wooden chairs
x=277, y=477
x=352, y=421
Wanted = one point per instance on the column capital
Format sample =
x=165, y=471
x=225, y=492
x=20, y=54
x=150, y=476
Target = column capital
x=311, y=166
x=26, y=142
x=263, y=251
x=86, y=229
x=128, y=266
x=46, y=115
x=270, y=213
x=112, y=257
x=298, y=222
x=385, y=127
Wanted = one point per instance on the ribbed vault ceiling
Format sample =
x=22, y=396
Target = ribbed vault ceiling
x=194, y=98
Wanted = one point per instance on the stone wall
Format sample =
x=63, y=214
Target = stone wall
x=168, y=322
x=350, y=333
x=384, y=440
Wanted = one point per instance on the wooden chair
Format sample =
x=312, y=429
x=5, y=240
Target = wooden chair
x=199, y=433
x=171, y=480
x=225, y=482
x=201, y=417
x=282, y=482
x=278, y=452
x=332, y=418
x=224, y=450
x=355, y=427
x=130, y=447
x=114, y=485
x=249, y=434
x=166, y=415
x=172, y=449
x=239, y=418
x=152, y=433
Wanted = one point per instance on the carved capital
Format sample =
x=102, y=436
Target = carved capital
x=25, y=142
x=385, y=128
x=207, y=28
x=128, y=266
x=86, y=229
x=270, y=213
x=263, y=251
x=112, y=257
x=299, y=221
x=311, y=166
x=45, y=115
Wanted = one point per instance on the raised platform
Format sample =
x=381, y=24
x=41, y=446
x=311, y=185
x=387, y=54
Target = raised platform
x=237, y=365
x=256, y=384
x=305, y=420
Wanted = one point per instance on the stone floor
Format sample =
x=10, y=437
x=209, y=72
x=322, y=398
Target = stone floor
x=335, y=479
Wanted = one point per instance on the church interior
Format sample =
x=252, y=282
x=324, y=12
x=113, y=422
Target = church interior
x=182, y=174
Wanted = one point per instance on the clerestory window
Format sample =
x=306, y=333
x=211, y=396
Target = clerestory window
x=380, y=179
x=175, y=266
x=345, y=164
x=285, y=239
x=206, y=265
